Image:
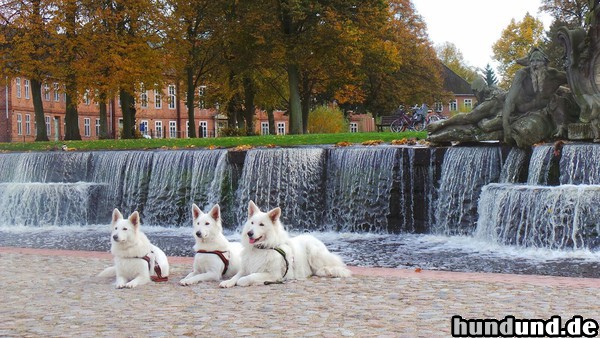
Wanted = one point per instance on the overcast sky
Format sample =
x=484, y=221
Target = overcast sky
x=474, y=25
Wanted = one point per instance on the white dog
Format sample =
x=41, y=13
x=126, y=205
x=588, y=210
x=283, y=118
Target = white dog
x=137, y=261
x=215, y=257
x=271, y=256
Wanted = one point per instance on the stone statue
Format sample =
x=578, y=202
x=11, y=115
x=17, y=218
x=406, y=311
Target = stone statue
x=534, y=109
x=482, y=123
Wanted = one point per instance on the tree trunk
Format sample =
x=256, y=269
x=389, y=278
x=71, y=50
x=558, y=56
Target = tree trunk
x=249, y=108
x=103, y=117
x=271, y=118
x=128, y=109
x=305, y=103
x=38, y=108
x=191, y=90
x=71, y=118
x=295, y=107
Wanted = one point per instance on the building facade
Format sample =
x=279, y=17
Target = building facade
x=159, y=114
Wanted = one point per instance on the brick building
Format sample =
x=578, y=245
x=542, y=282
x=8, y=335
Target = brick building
x=158, y=114
x=464, y=99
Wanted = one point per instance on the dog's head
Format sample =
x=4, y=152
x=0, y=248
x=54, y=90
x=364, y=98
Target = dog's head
x=206, y=225
x=262, y=229
x=124, y=230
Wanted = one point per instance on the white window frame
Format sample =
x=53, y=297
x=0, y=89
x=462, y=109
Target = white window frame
x=453, y=106
x=144, y=98
x=48, y=126
x=144, y=124
x=56, y=92
x=86, y=97
x=354, y=127
x=19, y=124
x=187, y=129
x=27, y=124
x=18, y=85
x=264, y=128
x=157, y=99
x=158, y=132
x=26, y=88
x=86, y=127
x=468, y=104
x=280, y=128
x=203, y=128
x=97, y=127
x=46, y=91
x=172, y=96
x=172, y=129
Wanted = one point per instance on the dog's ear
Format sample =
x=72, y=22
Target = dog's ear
x=275, y=214
x=215, y=212
x=116, y=216
x=252, y=209
x=135, y=219
x=196, y=212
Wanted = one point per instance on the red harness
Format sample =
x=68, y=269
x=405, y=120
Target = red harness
x=221, y=256
x=157, y=270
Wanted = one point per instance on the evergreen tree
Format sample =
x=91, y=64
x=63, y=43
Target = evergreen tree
x=490, y=76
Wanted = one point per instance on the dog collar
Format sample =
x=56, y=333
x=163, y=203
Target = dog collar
x=221, y=256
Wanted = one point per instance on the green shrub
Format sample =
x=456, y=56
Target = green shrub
x=327, y=120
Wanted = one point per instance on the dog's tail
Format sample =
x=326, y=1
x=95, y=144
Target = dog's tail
x=111, y=271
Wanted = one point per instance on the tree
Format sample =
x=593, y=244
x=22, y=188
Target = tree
x=489, y=76
x=453, y=58
x=27, y=50
x=193, y=44
x=515, y=42
x=570, y=14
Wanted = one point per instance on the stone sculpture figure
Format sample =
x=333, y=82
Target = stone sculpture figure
x=535, y=108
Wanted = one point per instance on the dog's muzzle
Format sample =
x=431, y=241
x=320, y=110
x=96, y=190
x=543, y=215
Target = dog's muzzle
x=199, y=234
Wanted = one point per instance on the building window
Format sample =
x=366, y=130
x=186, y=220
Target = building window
x=203, y=129
x=468, y=105
x=27, y=124
x=264, y=128
x=48, y=126
x=19, y=124
x=144, y=98
x=157, y=99
x=46, y=92
x=438, y=107
x=144, y=127
x=26, y=85
x=172, y=97
x=187, y=129
x=97, y=127
x=86, y=127
x=18, y=84
x=453, y=105
x=172, y=129
x=86, y=97
x=280, y=128
x=56, y=92
x=353, y=127
x=201, y=92
x=158, y=129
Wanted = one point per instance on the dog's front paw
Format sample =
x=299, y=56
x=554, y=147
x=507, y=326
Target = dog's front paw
x=131, y=284
x=120, y=285
x=185, y=282
x=227, y=284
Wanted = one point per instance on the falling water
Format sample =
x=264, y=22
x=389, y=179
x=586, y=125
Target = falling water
x=359, y=181
x=514, y=166
x=292, y=179
x=558, y=217
x=464, y=172
x=579, y=164
x=540, y=165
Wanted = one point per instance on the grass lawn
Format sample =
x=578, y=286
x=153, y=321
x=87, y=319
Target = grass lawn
x=219, y=142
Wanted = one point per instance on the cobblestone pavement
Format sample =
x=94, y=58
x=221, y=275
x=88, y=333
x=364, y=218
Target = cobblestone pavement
x=56, y=293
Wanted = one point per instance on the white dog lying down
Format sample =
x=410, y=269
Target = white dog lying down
x=215, y=257
x=271, y=256
x=137, y=261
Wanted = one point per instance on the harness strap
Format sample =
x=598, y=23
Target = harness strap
x=287, y=264
x=157, y=270
x=221, y=256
